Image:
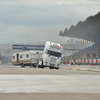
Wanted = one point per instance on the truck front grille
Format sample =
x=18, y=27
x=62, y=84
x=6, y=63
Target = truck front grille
x=52, y=60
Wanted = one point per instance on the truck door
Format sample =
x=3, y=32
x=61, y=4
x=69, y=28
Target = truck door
x=17, y=58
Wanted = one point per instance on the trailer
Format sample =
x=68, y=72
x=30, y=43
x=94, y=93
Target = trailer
x=26, y=58
x=50, y=57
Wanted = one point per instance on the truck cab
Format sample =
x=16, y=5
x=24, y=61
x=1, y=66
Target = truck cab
x=51, y=56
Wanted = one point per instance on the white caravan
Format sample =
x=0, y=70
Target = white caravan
x=27, y=58
x=51, y=56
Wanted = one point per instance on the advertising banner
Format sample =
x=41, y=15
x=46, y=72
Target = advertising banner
x=76, y=61
x=82, y=61
x=98, y=60
x=94, y=60
x=86, y=60
x=79, y=61
x=90, y=61
x=28, y=47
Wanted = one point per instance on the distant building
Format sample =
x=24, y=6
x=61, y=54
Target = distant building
x=89, y=31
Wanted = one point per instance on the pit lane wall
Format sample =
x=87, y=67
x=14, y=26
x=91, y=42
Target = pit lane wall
x=85, y=62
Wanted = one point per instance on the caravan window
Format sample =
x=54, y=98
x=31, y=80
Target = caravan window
x=21, y=56
x=13, y=57
x=27, y=56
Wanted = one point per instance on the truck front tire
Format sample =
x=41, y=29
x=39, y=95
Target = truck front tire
x=56, y=68
x=22, y=65
x=34, y=66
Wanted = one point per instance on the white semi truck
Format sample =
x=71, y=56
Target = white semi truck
x=50, y=57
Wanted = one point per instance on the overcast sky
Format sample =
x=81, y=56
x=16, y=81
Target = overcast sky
x=41, y=20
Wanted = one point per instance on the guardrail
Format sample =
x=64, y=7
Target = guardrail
x=86, y=61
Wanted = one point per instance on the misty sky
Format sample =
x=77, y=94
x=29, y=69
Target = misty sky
x=41, y=20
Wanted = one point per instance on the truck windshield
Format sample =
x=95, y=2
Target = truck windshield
x=53, y=53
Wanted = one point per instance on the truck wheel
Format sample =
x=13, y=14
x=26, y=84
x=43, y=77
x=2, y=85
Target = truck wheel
x=56, y=68
x=42, y=67
x=22, y=66
x=38, y=66
x=34, y=66
x=50, y=67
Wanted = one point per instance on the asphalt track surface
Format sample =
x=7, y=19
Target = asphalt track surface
x=48, y=84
